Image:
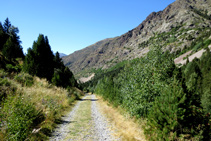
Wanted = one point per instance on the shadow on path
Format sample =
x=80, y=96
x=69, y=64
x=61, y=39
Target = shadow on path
x=88, y=100
x=60, y=121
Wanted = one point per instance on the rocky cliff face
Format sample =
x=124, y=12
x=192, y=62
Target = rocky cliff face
x=176, y=27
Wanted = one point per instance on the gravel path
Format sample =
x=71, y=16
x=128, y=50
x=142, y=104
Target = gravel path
x=62, y=131
x=99, y=126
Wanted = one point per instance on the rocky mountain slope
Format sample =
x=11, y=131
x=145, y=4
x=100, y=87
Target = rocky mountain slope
x=174, y=28
x=62, y=55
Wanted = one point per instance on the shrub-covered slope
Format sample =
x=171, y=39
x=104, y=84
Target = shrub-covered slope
x=175, y=101
x=31, y=106
x=175, y=28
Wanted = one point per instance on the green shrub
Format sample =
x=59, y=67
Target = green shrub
x=11, y=68
x=171, y=39
x=73, y=94
x=141, y=83
x=206, y=97
x=3, y=74
x=20, y=116
x=207, y=42
x=165, y=115
x=25, y=79
x=198, y=46
x=6, y=88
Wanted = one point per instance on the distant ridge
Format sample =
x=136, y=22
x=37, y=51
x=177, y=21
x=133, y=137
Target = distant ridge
x=174, y=28
x=62, y=55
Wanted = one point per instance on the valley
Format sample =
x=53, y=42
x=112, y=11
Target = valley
x=179, y=27
x=151, y=83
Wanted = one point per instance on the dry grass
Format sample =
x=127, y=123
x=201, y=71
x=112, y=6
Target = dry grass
x=126, y=128
x=44, y=95
x=50, y=100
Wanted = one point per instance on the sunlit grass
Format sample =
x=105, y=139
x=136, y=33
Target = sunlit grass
x=80, y=128
x=125, y=127
x=50, y=100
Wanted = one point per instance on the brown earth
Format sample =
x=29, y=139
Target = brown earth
x=182, y=61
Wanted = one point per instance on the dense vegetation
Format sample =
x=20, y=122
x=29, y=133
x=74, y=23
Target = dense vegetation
x=30, y=101
x=41, y=62
x=175, y=101
x=10, y=42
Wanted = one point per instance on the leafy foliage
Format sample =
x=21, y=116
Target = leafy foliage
x=174, y=101
x=20, y=117
x=136, y=94
x=139, y=92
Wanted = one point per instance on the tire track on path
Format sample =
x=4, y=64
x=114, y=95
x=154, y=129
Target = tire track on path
x=101, y=126
x=84, y=122
x=62, y=130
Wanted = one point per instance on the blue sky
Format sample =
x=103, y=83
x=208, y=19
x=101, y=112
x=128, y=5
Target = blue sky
x=75, y=24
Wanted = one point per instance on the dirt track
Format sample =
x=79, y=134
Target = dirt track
x=84, y=122
x=179, y=60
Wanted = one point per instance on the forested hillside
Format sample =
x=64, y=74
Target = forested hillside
x=134, y=72
x=174, y=100
x=35, y=89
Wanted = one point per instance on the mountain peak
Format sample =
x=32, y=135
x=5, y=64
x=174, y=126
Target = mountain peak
x=177, y=21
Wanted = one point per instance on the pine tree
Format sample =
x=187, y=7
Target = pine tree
x=58, y=61
x=10, y=41
x=57, y=78
x=41, y=62
x=40, y=57
x=2, y=36
x=193, y=82
x=69, y=78
x=7, y=25
x=30, y=62
x=166, y=114
x=205, y=64
x=12, y=50
x=8, y=49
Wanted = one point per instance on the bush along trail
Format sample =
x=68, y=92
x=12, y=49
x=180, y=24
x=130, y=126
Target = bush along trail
x=84, y=122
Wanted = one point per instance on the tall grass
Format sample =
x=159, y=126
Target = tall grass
x=30, y=112
x=126, y=127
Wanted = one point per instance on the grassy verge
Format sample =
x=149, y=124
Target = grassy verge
x=30, y=106
x=126, y=128
x=81, y=125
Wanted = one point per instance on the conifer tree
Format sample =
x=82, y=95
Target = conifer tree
x=41, y=62
x=10, y=41
x=205, y=64
x=2, y=36
x=7, y=25
x=30, y=62
x=42, y=59
x=166, y=114
x=57, y=77
x=12, y=50
x=58, y=61
x=193, y=82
